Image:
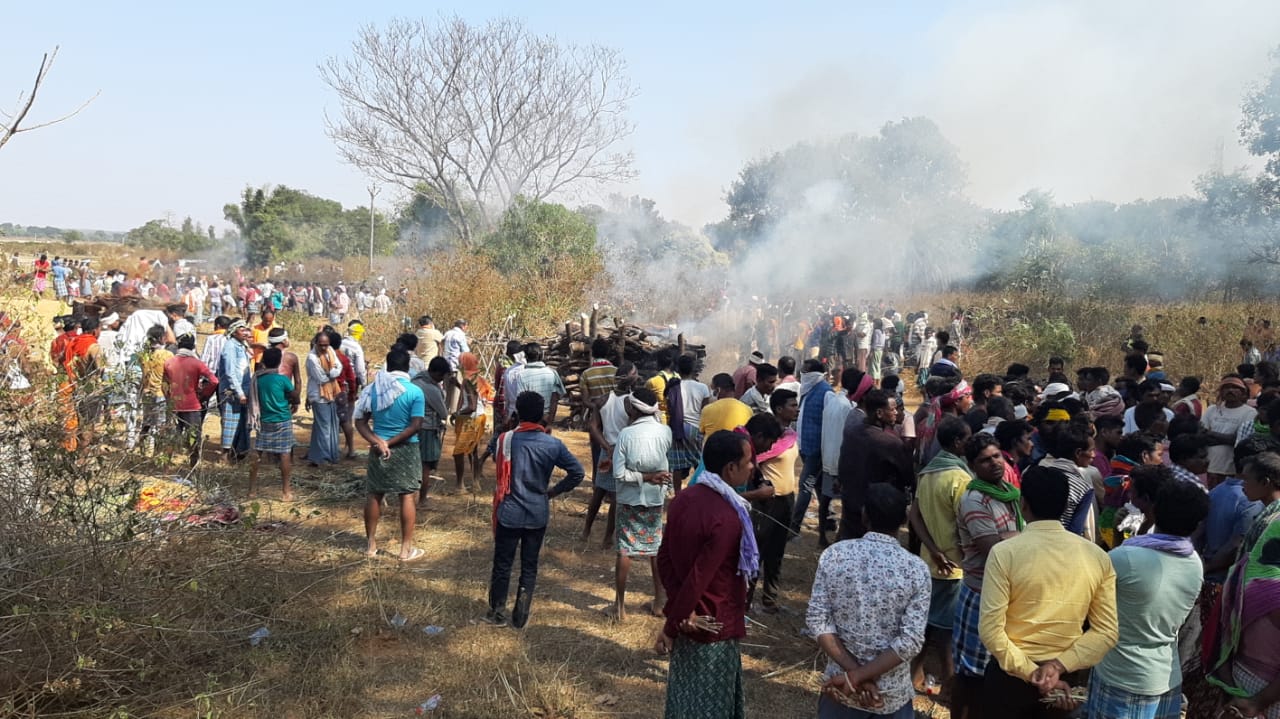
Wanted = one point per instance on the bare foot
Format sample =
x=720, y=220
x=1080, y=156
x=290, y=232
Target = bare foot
x=616, y=613
x=286, y=497
x=653, y=608
x=371, y=551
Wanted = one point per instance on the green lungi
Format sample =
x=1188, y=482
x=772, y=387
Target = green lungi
x=705, y=681
x=401, y=473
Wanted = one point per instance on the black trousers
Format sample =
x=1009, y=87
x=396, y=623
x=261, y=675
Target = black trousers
x=1008, y=697
x=772, y=532
x=505, y=543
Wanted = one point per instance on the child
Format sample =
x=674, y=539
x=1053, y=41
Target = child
x=271, y=413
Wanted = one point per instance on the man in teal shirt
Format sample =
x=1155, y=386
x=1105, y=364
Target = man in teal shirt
x=271, y=416
x=1158, y=578
x=388, y=415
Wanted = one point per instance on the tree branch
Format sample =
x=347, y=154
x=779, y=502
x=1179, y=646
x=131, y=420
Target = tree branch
x=14, y=121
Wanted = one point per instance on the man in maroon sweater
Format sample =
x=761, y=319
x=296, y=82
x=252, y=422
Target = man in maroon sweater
x=708, y=553
x=189, y=383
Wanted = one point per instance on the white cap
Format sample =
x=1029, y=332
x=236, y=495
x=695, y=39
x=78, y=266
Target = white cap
x=1054, y=389
x=109, y=319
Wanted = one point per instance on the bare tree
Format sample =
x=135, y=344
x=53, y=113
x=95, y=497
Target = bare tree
x=474, y=116
x=12, y=122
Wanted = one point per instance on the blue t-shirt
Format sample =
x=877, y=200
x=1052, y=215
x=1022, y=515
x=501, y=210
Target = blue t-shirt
x=393, y=420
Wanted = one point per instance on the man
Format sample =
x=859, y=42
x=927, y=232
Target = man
x=1038, y=590
x=272, y=401
x=1222, y=423
x=990, y=512
x=707, y=555
x=155, y=406
x=787, y=375
x=388, y=414
x=725, y=411
x=985, y=386
x=1158, y=578
x=686, y=398
x=1189, y=459
x=595, y=384
x=538, y=378
x=1072, y=451
x=181, y=325
x=1148, y=390
x=382, y=303
x=862, y=341
x=233, y=382
x=189, y=384
x=341, y=305
x=879, y=338
x=605, y=423
x=867, y=611
x=352, y=348
x=945, y=365
x=773, y=512
x=524, y=459
x=871, y=452
x=506, y=361
x=745, y=376
x=941, y=486
x=640, y=472
x=289, y=365
x=815, y=392
x=434, y=421
x=262, y=332
x=430, y=340
x=757, y=396
x=1016, y=448
x=837, y=411
x=453, y=345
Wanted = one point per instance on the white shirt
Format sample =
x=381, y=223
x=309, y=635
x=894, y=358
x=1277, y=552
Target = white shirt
x=1218, y=418
x=759, y=403
x=455, y=343
x=693, y=394
x=641, y=447
x=354, y=352
x=834, y=413
x=1130, y=426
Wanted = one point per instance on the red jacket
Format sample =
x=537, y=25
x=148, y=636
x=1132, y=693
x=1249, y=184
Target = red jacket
x=182, y=375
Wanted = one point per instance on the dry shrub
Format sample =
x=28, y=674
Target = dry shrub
x=1199, y=339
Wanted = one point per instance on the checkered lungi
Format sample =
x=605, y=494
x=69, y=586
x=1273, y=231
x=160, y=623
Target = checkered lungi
x=1253, y=684
x=970, y=655
x=59, y=286
x=1108, y=702
x=275, y=437
x=686, y=454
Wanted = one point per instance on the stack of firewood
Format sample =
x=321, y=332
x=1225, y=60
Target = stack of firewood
x=569, y=353
x=103, y=305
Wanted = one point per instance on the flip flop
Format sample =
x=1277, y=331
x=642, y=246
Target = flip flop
x=414, y=555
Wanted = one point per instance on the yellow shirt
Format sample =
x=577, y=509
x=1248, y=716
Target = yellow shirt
x=781, y=470
x=153, y=372
x=938, y=496
x=727, y=413
x=1038, y=589
x=261, y=337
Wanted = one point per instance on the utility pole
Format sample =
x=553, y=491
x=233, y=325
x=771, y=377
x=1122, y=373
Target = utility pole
x=373, y=192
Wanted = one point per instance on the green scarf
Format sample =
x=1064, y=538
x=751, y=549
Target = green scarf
x=1003, y=492
x=945, y=461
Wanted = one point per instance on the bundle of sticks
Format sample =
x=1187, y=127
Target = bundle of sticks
x=649, y=349
x=103, y=305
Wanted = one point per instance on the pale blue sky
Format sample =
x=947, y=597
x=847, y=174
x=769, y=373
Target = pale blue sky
x=200, y=99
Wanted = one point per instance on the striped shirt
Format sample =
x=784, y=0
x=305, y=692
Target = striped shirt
x=598, y=380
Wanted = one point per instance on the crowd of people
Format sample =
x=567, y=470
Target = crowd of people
x=1105, y=545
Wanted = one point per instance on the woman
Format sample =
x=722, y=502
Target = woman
x=1243, y=655
x=469, y=420
x=42, y=269
x=323, y=370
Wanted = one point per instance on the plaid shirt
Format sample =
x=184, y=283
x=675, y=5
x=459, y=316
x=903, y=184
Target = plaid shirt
x=1184, y=474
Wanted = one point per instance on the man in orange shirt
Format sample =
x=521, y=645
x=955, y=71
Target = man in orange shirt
x=262, y=332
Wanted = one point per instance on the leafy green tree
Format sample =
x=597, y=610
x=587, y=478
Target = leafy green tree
x=72, y=236
x=160, y=235
x=1260, y=128
x=283, y=223
x=533, y=236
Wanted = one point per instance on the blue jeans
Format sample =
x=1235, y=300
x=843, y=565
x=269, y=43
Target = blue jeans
x=809, y=475
x=828, y=709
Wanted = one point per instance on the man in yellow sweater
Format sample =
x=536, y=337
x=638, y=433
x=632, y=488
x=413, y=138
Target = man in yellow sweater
x=1038, y=590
